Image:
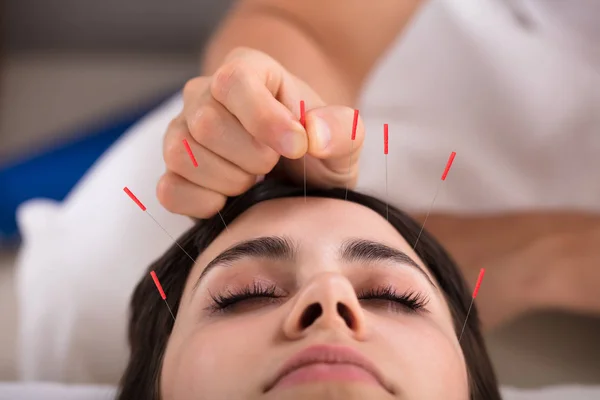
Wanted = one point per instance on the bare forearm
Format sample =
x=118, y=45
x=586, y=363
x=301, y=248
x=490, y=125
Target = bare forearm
x=475, y=239
x=517, y=251
x=323, y=43
x=292, y=47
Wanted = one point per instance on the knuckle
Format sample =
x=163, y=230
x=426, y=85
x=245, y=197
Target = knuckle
x=173, y=124
x=227, y=77
x=165, y=193
x=205, y=125
x=192, y=86
x=171, y=150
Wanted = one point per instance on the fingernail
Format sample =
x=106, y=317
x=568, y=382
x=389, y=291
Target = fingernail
x=323, y=133
x=291, y=143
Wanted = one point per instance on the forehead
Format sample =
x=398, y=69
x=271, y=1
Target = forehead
x=312, y=222
x=297, y=215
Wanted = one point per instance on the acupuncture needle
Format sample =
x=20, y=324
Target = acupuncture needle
x=145, y=210
x=353, y=137
x=481, y=273
x=195, y=163
x=444, y=175
x=385, y=153
x=303, y=122
x=161, y=292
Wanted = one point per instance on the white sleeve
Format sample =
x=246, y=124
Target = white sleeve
x=81, y=259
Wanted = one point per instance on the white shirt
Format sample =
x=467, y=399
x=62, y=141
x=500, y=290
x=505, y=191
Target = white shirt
x=575, y=25
x=519, y=105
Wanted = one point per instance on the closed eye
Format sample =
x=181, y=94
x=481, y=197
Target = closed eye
x=248, y=297
x=390, y=299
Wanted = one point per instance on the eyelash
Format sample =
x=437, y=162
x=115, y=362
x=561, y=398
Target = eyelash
x=224, y=301
x=409, y=301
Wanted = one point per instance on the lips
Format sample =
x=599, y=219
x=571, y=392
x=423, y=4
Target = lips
x=327, y=362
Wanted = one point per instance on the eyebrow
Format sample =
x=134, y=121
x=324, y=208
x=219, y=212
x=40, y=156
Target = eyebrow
x=284, y=249
x=361, y=250
x=268, y=247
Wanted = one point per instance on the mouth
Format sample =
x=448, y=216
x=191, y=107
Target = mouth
x=328, y=363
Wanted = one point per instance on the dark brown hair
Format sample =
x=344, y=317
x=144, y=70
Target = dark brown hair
x=150, y=322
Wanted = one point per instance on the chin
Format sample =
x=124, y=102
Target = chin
x=330, y=391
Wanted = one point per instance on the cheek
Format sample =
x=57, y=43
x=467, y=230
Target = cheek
x=430, y=365
x=205, y=362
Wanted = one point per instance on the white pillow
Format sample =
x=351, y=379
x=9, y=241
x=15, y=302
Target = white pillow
x=54, y=391
x=558, y=392
x=81, y=259
x=48, y=391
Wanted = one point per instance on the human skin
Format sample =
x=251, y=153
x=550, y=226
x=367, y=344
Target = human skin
x=219, y=355
x=241, y=116
x=328, y=50
x=535, y=261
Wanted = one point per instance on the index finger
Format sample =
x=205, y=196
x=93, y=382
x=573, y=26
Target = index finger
x=247, y=88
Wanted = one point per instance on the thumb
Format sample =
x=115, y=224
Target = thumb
x=329, y=131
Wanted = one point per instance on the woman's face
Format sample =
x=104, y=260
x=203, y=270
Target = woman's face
x=320, y=299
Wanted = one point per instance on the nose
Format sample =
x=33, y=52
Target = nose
x=327, y=302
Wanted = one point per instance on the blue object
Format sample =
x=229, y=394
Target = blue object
x=54, y=173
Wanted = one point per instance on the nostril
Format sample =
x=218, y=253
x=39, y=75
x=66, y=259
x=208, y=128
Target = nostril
x=346, y=315
x=310, y=315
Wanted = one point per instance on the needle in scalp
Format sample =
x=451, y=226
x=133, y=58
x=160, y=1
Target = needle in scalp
x=161, y=292
x=141, y=205
x=479, y=279
x=444, y=175
x=143, y=208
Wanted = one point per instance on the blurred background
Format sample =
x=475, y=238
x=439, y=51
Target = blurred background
x=75, y=74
